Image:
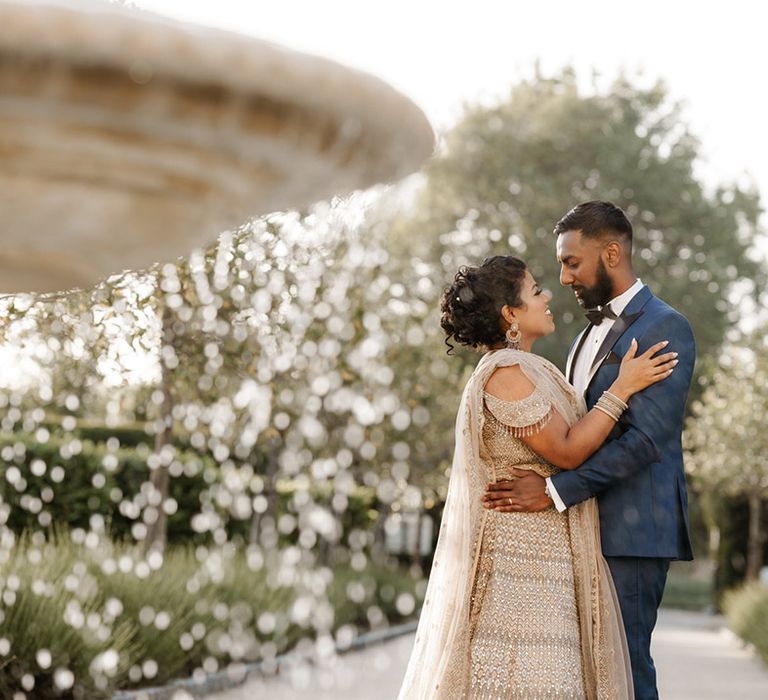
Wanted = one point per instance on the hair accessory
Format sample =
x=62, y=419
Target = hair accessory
x=465, y=294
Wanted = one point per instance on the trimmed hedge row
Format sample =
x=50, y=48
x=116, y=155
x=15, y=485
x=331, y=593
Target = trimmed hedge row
x=58, y=483
x=63, y=481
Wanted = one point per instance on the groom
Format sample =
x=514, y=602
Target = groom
x=637, y=475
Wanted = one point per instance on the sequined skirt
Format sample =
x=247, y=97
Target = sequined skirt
x=525, y=640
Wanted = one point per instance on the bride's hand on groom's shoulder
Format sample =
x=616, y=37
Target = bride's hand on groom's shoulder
x=637, y=372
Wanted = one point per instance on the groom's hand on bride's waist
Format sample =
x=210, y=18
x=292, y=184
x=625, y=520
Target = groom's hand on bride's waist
x=525, y=494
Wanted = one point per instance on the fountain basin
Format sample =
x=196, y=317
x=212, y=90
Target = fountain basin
x=127, y=138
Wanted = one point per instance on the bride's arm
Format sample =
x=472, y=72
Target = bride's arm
x=568, y=447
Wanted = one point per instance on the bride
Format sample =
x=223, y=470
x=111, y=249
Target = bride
x=521, y=605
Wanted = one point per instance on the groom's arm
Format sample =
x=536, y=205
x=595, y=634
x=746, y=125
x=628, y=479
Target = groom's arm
x=652, y=420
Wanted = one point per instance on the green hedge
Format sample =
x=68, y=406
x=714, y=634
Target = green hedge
x=747, y=612
x=68, y=604
x=129, y=436
x=76, y=497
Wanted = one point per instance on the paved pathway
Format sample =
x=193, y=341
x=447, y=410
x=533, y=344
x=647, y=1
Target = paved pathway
x=696, y=658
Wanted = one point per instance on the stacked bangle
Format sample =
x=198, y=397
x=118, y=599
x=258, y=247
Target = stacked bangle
x=611, y=405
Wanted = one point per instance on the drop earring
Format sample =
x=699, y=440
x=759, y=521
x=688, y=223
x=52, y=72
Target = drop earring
x=513, y=336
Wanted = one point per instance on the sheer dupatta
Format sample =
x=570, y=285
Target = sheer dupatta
x=439, y=666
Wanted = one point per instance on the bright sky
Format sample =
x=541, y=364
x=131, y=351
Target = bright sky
x=713, y=55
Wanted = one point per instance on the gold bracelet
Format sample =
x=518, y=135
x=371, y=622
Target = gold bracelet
x=613, y=402
x=607, y=412
x=608, y=401
x=612, y=397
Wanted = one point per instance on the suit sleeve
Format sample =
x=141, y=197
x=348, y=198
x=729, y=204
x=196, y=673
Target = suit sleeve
x=651, y=422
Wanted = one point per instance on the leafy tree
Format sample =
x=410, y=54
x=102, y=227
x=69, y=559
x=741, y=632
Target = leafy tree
x=508, y=172
x=726, y=439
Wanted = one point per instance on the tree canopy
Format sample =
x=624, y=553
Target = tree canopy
x=508, y=172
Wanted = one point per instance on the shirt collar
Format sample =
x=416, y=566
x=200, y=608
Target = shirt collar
x=620, y=302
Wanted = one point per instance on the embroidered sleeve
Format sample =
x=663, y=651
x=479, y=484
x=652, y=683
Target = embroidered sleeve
x=521, y=418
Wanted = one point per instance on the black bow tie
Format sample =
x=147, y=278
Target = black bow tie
x=597, y=314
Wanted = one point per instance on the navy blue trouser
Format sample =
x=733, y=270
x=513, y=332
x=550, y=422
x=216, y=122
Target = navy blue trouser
x=640, y=583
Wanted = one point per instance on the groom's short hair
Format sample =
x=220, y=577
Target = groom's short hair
x=597, y=220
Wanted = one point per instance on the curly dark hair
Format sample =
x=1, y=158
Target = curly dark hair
x=470, y=309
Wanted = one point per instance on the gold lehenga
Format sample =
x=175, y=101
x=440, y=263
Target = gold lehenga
x=519, y=605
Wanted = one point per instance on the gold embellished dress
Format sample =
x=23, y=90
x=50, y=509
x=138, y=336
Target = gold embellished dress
x=519, y=605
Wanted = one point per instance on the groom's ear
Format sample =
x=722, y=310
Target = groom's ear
x=613, y=253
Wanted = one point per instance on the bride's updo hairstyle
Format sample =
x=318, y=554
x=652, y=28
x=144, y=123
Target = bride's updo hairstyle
x=471, y=307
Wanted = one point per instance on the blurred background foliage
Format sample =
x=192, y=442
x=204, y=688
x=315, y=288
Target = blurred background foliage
x=507, y=173
x=282, y=393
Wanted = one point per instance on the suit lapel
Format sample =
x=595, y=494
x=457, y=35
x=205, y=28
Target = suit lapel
x=633, y=311
x=570, y=363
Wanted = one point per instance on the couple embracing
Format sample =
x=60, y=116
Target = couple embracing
x=567, y=497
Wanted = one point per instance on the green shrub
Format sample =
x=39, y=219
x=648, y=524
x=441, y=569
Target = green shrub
x=197, y=609
x=97, y=479
x=747, y=612
x=129, y=436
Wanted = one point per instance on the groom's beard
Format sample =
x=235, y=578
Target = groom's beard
x=602, y=291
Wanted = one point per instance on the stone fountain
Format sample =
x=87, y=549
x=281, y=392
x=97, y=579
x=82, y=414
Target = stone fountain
x=127, y=138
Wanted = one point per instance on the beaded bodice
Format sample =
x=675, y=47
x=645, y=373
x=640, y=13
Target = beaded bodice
x=502, y=441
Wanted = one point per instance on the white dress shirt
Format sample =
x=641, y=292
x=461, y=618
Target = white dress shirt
x=581, y=370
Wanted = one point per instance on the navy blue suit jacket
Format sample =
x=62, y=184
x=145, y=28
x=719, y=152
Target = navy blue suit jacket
x=637, y=475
